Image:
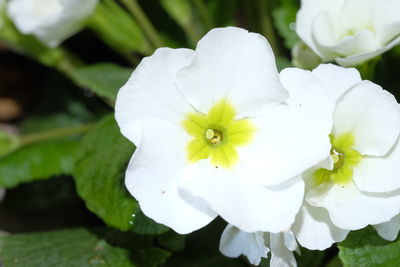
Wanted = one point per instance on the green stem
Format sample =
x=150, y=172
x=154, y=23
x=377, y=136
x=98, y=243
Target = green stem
x=203, y=12
x=138, y=13
x=53, y=134
x=267, y=27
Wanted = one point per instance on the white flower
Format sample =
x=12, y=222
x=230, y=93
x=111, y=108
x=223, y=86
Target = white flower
x=349, y=31
x=358, y=184
x=235, y=242
x=389, y=230
x=215, y=136
x=51, y=21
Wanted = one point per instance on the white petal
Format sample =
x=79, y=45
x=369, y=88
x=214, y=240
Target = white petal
x=389, y=230
x=371, y=115
x=51, y=21
x=151, y=92
x=241, y=202
x=235, y=242
x=309, y=10
x=290, y=241
x=352, y=209
x=362, y=42
x=336, y=80
x=314, y=229
x=379, y=174
x=356, y=14
x=324, y=35
x=386, y=20
x=152, y=177
x=291, y=137
x=281, y=256
x=360, y=58
x=235, y=64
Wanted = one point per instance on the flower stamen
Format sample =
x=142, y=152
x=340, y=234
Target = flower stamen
x=215, y=137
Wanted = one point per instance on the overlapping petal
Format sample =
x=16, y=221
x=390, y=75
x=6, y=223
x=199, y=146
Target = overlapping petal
x=379, y=174
x=371, y=115
x=241, y=202
x=234, y=64
x=293, y=134
x=151, y=92
x=336, y=80
x=152, y=177
x=235, y=242
x=360, y=58
x=351, y=209
x=314, y=229
x=349, y=32
x=389, y=230
x=281, y=255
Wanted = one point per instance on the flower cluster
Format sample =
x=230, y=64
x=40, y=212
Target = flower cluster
x=300, y=155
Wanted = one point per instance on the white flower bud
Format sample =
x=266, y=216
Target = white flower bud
x=349, y=32
x=51, y=21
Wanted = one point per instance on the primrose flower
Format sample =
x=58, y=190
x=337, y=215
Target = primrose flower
x=51, y=21
x=349, y=31
x=235, y=242
x=217, y=134
x=358, y=184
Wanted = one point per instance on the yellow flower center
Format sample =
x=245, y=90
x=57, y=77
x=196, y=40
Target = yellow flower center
x=217, y=134
x=344, y=159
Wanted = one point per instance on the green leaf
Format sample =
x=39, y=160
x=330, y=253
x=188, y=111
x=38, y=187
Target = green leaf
x=116, y=27
x=366, y=248
x=179, y=10
x=99, y=176
x=284, y=16
x=73, y=248
x=172, y=241
x=182, y=12
x=146, y=226
x=309, y=258
x=38, y=161
x=8, y=143
x=105, y=79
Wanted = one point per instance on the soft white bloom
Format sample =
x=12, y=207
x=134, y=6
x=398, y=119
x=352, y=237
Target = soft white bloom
x=235, y=242
x=389, y=230
x=359, y=183
x=217, y=134
x=51, y=21
x=349, y=31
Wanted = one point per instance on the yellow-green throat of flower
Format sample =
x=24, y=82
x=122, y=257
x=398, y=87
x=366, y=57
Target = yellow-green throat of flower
x=217, y=134
x=344, y=159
